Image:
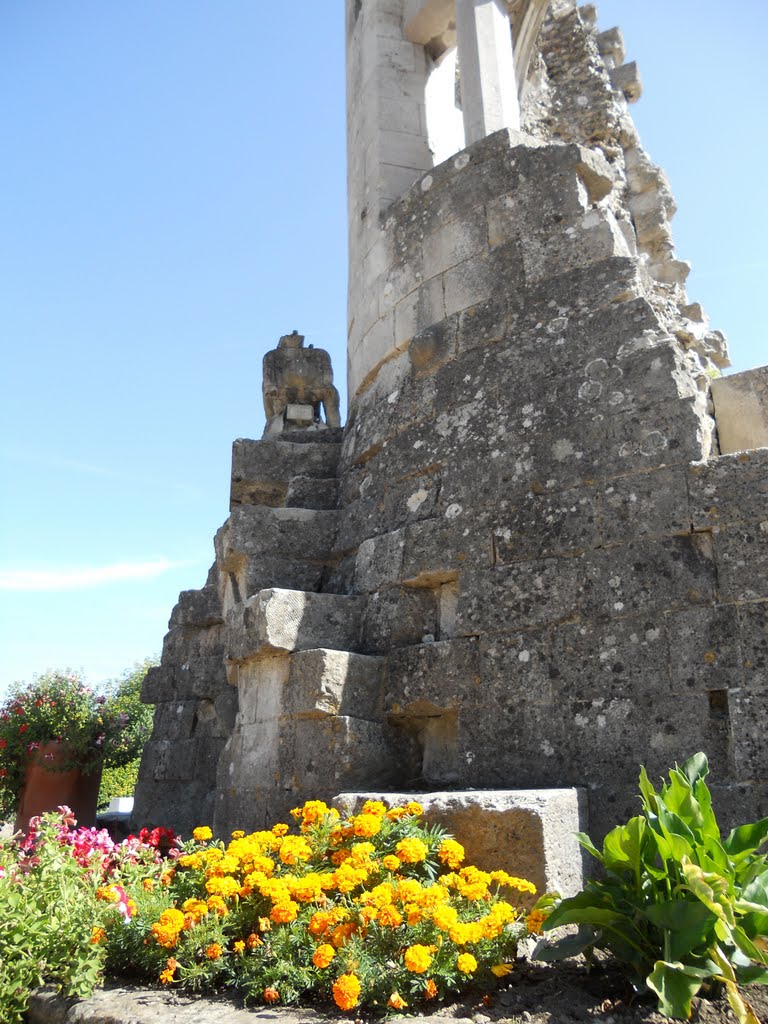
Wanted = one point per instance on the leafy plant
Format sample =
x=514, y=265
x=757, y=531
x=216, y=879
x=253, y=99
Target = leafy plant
x=682, y=908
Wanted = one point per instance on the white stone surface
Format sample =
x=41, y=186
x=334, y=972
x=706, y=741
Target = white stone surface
x=741, y=410
x=488, y=87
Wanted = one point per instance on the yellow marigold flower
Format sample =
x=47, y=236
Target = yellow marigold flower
x=409, y=890
x=361, y=854
x=294, y=849
x=238, y=946
x=534, y=921
x=265, y=925
x=238, y=834
x=411, y=851
x=346, y=878
x=339, y=856
x=379, y=896
x=513, y=882
x=307, y=888
x=323, y=955
x=226, y=886
x=367, y=825
x=414, y=807
x=214, y=951
x=213, y=855
x=201, y=834
x=433, y=896
x=503, y=912
x=107, y=894
x=430, y=989
x=194, y=909
x=451, y=853
x=148, y=884
x=396, y=1001
x=279, y=830
x=466, y=963
x=284, y=913
x=462, y=933
x=98, y=935
x=217, y=904
x=191, y=860
x=501, y=970
x=445, y=917
x=166, y=929
x=389, y=917
x=417, y=959
x=374, y=807
x=346, y=991
x=390, y=862
x=413, y=913
x=271, y=995
x=166, y=977
x=295, y=813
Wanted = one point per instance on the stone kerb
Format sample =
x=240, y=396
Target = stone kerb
x=529, y=832
x=442, y=247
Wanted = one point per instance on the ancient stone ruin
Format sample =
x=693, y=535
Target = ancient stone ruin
x=535, y=556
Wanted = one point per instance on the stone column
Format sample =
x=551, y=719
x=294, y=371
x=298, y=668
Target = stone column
x=488, y=87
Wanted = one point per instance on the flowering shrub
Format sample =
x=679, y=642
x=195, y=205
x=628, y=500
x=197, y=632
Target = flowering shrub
x=62, y=890
x=372, y=909
x=90, y=729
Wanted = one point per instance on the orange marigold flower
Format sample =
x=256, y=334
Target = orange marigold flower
x=414, y=807
x=214, y=951
x=320, y=922
x=396, y=1001
x=323, y=955
x=253, y=941
x=98, y=935
x=271, y=995
x=166, y=977
x=265, y=925
x=217, y=904
x=342, y=933
x=417, y=959
x=346, y=991
x=534, y=921
x=389, y=917
x=284, y=913
x=501, y=970
x=148, y=884
x=167, y=877
x=396, y=813
x=430, y=989
x=201, y=833
x=413, y=913
x=279, y=830
x=411, y=851
x=390, y=862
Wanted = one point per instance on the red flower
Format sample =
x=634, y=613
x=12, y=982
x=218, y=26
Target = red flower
x=23, y=728
x=3, y=744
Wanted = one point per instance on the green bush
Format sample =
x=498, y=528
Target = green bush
x=118, y=782
x=681, y=908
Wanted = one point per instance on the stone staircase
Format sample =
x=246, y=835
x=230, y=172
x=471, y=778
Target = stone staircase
x=311, y=720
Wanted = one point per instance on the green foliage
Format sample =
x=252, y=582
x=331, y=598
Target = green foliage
x=118, y=782
x=48, y=910
x=682, y=908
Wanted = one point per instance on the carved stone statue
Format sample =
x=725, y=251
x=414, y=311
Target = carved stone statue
x=297, y=382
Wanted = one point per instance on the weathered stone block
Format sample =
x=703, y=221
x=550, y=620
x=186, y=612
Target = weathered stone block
x=398, y=616
x=753, y=632
x=704, y=650
x=529, y=833
x=262, y=470
x=307, y=492
x=730, y=489
x=445, y=674
x=653, y=504
x=292, y=620
x=323, y=683
x=749, y=736
x=741, y=410
x=741, y=555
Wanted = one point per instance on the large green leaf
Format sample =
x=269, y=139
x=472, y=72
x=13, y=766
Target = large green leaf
x=678, y=798
x=710, y=827
x=747, y=946
x=747, y=838
x=680, y=839
x=588, y=845
x=688, y=924
x=647, y=793
x=753, y=975
x=623, y=846
x=695, y=768
x=675, y=984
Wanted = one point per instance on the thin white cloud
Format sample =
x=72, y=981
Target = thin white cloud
x=83, y=577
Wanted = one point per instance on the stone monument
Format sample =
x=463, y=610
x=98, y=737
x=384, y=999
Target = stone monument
x=533, y=558
x=297, y=385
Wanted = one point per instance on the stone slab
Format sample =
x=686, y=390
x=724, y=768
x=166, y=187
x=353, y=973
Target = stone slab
x=741, y=410
x=529, y=833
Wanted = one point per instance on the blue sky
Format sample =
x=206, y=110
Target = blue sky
x=172, y=199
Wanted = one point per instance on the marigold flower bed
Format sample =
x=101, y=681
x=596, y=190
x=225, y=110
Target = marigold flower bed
x=375, y=909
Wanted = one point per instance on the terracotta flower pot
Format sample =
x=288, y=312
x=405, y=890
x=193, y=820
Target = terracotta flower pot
x=45, y=790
